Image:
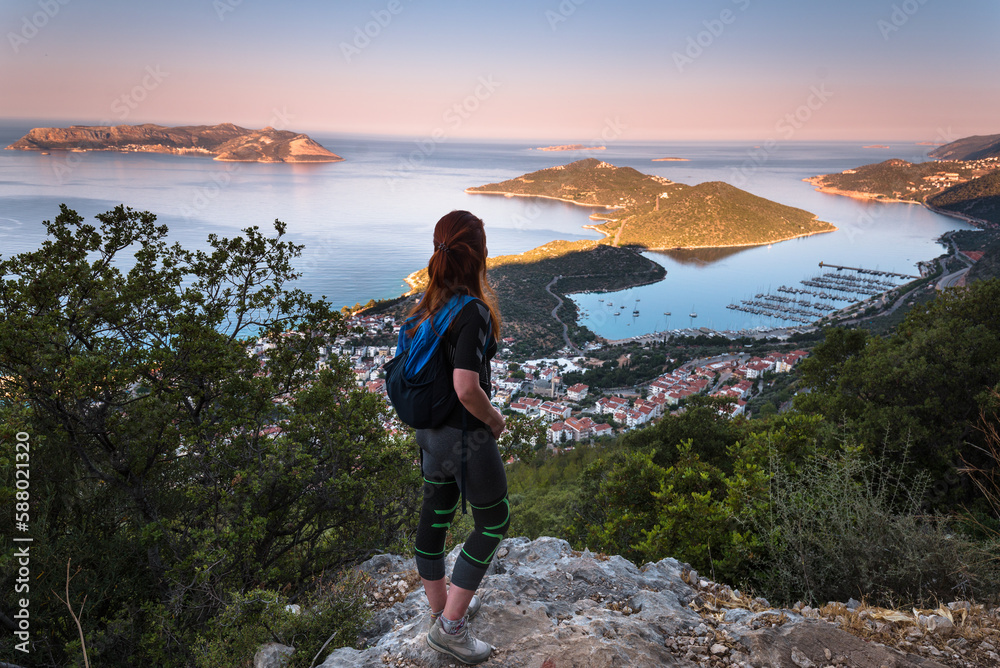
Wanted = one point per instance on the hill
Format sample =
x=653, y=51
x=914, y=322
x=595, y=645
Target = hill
x=895, y=180
x=977, y=198
x=713, y=214
x=226, y=142
x=656, y=213
x=977, y=147
x=589, y=182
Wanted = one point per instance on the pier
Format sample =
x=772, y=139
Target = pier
x=831, y=286
x=873, y=272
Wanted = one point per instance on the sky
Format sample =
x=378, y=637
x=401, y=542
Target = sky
x=588, y=71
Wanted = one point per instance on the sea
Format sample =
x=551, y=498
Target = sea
x=366, y=223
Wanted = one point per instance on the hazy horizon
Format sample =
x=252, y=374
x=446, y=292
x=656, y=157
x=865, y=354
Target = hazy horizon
x=568, y=71
x=535, y=141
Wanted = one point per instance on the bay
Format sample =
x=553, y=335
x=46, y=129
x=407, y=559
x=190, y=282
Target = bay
x=366, y=223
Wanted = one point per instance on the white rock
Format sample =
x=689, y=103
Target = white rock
x=272, y=655
x=801, y=660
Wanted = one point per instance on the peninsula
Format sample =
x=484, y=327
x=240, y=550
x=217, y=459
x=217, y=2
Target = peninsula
x=226, y=142
x=659, y=214
x=966, y=184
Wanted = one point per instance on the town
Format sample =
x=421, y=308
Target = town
x=535, y=388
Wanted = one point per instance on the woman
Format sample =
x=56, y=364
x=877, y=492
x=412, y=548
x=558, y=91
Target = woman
x=458, y=267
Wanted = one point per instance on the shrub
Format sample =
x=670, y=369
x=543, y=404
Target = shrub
x=330, y=616
x=842, y=526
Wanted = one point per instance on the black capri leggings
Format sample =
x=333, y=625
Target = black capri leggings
x=485, y=491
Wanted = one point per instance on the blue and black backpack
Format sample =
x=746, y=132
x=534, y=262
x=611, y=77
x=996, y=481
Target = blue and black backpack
x=417, y=379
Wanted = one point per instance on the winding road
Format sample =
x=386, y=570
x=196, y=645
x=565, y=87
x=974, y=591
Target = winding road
x=555, y=314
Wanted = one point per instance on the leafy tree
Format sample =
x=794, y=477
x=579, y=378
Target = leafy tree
x=701, y=423
x=923, y=386
x=617, y=503
x=170, y=462
x=522, y=437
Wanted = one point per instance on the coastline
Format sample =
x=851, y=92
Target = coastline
x=762, y=243
x=609, y=207
x=971, y=220
x=866, y=197
x=184, y=151
x=597, y=228
x=411, y=280
x=854, y=194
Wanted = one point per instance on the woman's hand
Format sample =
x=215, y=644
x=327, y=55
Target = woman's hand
x=497, y=425
x=472, y=396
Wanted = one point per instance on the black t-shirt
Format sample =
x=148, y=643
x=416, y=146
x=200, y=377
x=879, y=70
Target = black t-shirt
x=469, y=334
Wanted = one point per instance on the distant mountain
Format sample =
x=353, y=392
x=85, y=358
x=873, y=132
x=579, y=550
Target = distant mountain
x=656, y=213
x=978, y=198
x=226, y=142
x=969, y=148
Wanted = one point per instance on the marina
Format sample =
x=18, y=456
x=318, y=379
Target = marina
x=833, y=286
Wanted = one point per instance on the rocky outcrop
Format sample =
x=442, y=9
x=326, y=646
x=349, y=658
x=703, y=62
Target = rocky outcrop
x=223, y=142
x=548, y=606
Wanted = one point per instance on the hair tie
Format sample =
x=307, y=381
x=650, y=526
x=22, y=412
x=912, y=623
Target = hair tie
x=442, y=247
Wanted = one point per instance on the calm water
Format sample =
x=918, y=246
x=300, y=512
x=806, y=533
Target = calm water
x=366, y=222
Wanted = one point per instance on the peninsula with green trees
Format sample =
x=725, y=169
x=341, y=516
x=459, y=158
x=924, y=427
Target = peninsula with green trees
x=658, y=214
x=963, y=180
x=225, y=142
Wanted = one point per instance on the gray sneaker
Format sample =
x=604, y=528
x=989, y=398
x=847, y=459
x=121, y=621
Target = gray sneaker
x=471, y=612
x=461, y=646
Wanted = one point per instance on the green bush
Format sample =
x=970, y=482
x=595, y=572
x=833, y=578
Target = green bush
x=846, y=526
x=329, y=617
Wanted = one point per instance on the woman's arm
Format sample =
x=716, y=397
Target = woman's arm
x=471, y=394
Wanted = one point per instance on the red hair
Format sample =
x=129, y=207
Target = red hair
x=458, y=266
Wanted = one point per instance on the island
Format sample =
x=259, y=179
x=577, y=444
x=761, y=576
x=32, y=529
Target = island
x=671, y=159
x=876, y=146
x=226, y=142
x=570, y=147
x=658, y=214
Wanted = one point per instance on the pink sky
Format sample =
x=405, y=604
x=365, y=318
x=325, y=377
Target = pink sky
x=570, y=70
